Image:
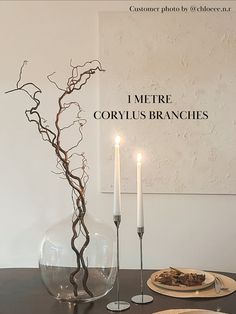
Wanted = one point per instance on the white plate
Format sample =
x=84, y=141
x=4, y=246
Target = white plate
x=209, y=280
x=180, y=311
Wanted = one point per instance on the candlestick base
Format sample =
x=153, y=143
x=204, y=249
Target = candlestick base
x=118, y=306
x=142, y=299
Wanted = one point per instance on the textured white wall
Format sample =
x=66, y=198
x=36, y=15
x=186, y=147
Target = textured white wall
x=181, y=230
x=193, y=61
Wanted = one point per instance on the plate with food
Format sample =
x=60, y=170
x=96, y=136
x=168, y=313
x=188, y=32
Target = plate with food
x=182, y=279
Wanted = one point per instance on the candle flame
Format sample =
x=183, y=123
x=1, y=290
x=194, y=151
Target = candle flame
x=139, y=157
x=117, y=140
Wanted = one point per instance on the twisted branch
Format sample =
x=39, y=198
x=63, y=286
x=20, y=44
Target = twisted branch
x=79, y=77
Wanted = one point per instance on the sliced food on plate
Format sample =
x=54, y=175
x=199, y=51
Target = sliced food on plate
x=182, y=279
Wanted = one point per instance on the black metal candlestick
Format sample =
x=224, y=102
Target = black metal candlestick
x=118, y=306
x=141, y=298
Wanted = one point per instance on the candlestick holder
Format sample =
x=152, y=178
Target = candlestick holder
x=118, y=306
x=141, y=298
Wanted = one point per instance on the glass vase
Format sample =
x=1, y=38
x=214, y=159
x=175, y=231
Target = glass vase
x=58, y=261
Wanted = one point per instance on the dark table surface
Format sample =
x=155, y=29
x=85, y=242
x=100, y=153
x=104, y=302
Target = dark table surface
x=22, y=292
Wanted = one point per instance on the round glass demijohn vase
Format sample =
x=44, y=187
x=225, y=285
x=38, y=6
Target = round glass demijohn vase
x=94, y=275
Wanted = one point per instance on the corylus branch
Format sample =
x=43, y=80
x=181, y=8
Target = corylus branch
x=79, y=77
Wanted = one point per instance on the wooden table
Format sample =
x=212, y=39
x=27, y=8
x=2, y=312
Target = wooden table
x=22, y=292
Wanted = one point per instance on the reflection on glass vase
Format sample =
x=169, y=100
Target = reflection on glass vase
x=70, y=278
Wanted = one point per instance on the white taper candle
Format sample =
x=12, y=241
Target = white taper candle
x=140, y=216
x=117, y=197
